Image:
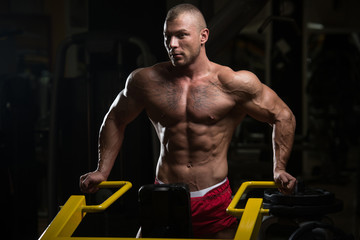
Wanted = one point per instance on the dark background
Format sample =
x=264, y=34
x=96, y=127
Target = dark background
x=63, y=62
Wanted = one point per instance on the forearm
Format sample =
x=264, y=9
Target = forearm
x=110, y=140
x=283, y=138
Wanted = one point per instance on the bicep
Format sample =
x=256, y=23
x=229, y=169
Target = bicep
x=128, y=104
x=265, y=105
x=125, y=108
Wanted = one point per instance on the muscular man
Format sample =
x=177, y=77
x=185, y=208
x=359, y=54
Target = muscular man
x=195, y=105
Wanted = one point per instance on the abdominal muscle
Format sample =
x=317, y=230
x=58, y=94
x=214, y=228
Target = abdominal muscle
x=195, y=155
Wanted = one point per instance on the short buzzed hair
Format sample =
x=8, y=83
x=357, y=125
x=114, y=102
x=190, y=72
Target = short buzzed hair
x=177, y=10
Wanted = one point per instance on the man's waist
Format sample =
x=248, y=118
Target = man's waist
x=199, y=193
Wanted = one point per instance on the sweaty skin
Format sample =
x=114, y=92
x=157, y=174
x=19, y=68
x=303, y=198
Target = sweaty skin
x=194, y=106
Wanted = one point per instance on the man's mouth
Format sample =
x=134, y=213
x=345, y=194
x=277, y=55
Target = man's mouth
x=175, y=54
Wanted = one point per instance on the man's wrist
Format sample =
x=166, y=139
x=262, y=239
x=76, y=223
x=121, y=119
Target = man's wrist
x=103, y=172
x=279, y=169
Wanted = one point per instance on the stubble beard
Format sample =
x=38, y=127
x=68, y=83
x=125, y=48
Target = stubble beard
x=186, y=60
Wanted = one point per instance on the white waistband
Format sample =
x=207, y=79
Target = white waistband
x=201, y=192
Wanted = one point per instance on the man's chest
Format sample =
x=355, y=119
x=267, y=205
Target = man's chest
x=203, y=102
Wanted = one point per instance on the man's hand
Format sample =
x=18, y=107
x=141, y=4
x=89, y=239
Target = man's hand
x=285, y=182
x=90, y=181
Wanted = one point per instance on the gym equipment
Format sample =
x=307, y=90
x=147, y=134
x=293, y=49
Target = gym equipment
x=317, y=230
x=165, y=211
x=302, y=215
x=230, y=20
x=306, y=202
x=71, y=214
x=81, y=102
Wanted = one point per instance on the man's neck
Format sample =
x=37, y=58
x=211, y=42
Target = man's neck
x=198, y=68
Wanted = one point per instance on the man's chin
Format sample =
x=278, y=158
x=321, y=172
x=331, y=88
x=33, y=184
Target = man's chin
x=178, y=63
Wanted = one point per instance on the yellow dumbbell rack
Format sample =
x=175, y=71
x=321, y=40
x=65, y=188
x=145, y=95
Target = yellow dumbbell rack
x=75, y=209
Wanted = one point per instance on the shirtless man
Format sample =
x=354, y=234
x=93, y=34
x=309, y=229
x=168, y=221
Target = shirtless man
x=195, y=105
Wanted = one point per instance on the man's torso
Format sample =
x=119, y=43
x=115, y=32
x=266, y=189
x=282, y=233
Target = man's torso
x=194, y=120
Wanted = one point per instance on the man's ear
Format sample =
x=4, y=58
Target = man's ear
x=204, y=36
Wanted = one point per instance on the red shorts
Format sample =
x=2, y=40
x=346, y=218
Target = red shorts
x=209, y=212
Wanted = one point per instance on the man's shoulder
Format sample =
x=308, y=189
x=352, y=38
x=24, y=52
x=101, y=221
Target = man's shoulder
x=152, y=71
x=145, y=78
x=237, y=80
x=145, y=75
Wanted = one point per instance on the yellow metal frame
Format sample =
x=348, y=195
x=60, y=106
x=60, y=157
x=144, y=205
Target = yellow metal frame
x=252, y=214
x=75, y=209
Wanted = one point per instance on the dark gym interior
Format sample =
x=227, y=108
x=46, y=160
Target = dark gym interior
x=63, y=62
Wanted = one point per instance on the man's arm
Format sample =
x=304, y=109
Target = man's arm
x=125, y=108
x=263, y=104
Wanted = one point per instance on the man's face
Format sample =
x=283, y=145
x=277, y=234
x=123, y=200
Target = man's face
x=182, y=40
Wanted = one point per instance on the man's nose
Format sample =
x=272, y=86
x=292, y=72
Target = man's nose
x=173, y=42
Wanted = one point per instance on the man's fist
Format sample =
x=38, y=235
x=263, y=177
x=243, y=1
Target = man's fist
x=285, y=182
x=89, y=182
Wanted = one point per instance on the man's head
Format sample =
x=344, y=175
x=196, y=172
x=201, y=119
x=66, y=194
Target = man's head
x=185, y=34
